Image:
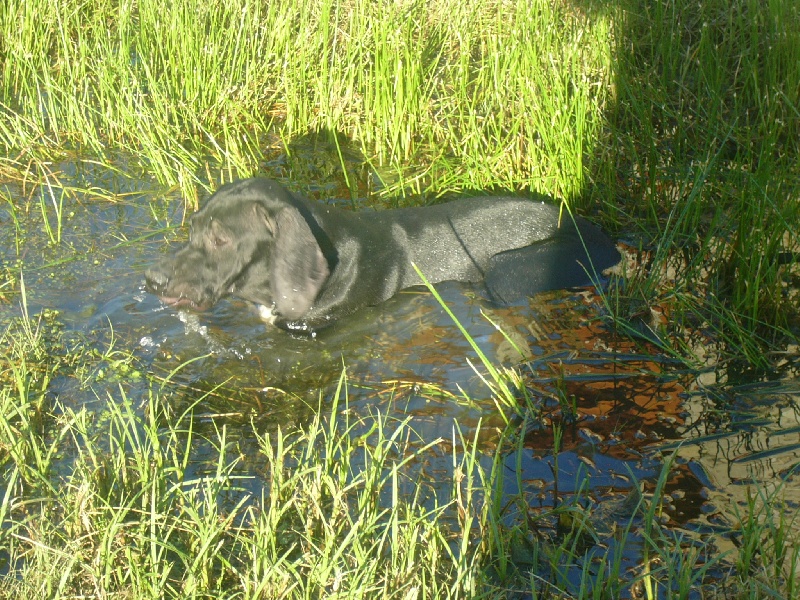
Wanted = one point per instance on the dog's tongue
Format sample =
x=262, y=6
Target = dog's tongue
x=180, y=302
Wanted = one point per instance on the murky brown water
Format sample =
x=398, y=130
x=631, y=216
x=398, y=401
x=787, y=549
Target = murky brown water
x=621, y=404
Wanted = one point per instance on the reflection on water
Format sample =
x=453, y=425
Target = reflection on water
x=620, y=405
x=746, y=433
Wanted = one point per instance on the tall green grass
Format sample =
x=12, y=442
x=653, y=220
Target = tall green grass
x=701, y=151
x=476, y=95
x=147, y=503
x=680, y=120
x=129, y=498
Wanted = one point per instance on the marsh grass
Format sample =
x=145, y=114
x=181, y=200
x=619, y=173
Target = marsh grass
x=131, y=498
x=678, y=121
x=131, y=511
x=504, y=384
x=711, y=92
x=412, y=83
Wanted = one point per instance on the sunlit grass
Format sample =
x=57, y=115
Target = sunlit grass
x=138, y=498
x=678, y=121
x=482, y=93
x=132, y=510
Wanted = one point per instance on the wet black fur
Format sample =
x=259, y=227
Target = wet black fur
x=309, y=263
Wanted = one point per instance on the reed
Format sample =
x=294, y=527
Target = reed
x=483, y=93
x=138, y=498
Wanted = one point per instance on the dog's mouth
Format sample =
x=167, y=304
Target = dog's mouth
x=183, y=302
x=157, y=284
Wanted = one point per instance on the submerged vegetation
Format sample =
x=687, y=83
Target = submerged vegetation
x=676, y=124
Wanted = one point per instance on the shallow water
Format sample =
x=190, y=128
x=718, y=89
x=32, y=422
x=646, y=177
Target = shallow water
x=623, y=407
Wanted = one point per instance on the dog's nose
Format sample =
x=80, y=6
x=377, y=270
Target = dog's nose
x=156, y=280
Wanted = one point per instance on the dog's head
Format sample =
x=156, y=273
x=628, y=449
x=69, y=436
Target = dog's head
x=252, y=239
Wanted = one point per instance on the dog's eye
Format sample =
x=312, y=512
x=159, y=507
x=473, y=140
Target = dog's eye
x=217, y=241
x=217, y=236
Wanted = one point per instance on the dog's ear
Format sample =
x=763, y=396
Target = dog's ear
x=299, y=267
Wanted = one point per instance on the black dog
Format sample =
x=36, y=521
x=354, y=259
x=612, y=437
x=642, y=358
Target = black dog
x=307, y=264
